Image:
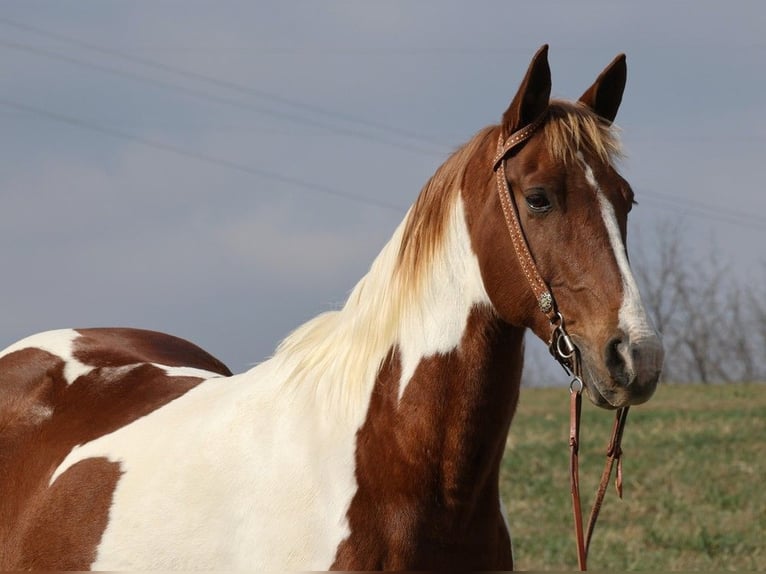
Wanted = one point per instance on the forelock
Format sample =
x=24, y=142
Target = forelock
x=573, y=127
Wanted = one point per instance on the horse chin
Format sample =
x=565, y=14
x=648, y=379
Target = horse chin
x=602, y=392
x=610, y=394
x=593, y=391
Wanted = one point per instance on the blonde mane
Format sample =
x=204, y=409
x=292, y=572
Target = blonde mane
x=340, y=352
x=429, y=215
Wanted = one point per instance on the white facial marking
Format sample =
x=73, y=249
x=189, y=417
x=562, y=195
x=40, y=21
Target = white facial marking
x=59, y=343
x=633, y=318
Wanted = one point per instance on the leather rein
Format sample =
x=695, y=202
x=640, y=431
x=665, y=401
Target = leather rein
x=561, y=347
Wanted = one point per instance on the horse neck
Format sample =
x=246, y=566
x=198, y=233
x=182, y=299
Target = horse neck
x=450, y=423
x=424, y=349
x=429, y=446
x=427, y=463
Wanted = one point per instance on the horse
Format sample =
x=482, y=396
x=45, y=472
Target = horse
x=373, y=436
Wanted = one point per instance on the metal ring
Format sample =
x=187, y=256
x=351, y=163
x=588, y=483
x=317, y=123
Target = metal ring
x=568, y=350
x=575, y=385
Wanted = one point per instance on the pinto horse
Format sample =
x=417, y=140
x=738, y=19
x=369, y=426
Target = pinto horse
x=373, y=437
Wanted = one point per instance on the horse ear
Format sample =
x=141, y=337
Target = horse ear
x=605, y=95
x=531, y=99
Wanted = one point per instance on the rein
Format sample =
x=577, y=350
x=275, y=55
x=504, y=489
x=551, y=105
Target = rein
x=563, y=350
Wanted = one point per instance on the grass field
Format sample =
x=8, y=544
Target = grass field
x=694, y=484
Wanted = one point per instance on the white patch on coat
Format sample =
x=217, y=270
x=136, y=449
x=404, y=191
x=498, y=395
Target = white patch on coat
x=454, y=286
x=232, y=475
x=187, y=372
x=59, y=343
x=339, y=352
x=38, y=413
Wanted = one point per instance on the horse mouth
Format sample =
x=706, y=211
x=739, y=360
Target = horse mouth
x=614, y=388
x=604, y=394
x=613, y=394
x=597, y=397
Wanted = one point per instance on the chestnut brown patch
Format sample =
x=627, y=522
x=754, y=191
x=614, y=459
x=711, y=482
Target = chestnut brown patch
x=427, y=467
x=114, y=347
x=69, y=519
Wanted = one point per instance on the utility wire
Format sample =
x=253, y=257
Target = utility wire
x=268, y=174
x=692, y=207
x=691, y=210
x=218, y=82
x=661, y=204
x=221, y=100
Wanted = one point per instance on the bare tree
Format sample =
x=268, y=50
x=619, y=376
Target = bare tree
x=714, y=329
x=713, y=326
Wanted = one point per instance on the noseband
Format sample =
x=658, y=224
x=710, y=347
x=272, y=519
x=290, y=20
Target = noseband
x=561, y=347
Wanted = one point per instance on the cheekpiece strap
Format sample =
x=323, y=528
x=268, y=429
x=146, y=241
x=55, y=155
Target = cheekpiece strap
x=540, y=289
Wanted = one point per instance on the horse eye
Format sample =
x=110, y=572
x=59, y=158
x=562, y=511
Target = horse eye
x=538, y=202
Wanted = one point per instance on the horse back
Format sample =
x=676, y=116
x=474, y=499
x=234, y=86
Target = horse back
x=62, y=389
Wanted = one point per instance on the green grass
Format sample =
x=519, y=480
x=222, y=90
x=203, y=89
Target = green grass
x=694, y=481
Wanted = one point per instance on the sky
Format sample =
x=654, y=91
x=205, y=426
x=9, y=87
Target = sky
x=224, y=171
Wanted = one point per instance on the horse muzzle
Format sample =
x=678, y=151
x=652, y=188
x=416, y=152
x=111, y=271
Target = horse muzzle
x=626, y=372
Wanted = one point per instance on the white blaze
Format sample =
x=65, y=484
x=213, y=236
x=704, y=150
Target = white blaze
x=633, y=318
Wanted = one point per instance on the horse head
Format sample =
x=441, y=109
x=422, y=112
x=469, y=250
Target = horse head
x=572, y=206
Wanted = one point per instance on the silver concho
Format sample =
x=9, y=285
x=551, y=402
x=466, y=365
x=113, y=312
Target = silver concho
x=546, y=302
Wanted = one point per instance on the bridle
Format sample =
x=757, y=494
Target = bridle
x=561, y=347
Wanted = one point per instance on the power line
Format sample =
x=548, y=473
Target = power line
x=705, y=210
x=695, y=208
x=220, y=100
x=268, y=174
x=692, y=212
x=218, y=82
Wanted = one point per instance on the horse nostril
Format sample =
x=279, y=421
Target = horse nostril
x=613, y=356
x=634, y=361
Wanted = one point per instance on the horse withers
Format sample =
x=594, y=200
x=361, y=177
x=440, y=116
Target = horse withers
x=373, y=438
